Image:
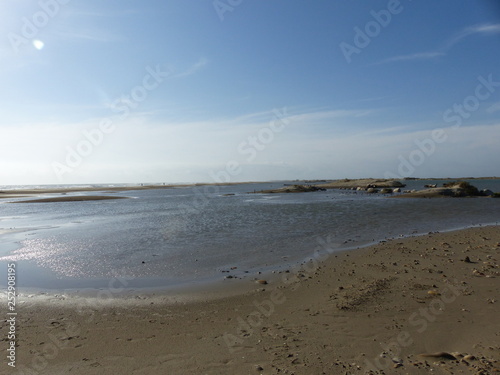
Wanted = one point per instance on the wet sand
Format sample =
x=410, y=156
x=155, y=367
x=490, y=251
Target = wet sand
x=32, y=193
x=8, y=193
x=375, y=309
x=79, y=198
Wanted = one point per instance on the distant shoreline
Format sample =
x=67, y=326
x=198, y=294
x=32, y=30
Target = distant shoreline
x=321, y=184
x=172, y=186
x=110, y=188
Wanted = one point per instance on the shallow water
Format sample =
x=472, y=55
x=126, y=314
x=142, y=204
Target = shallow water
x=188, y=235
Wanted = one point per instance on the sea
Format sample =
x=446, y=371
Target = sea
x=174, y=237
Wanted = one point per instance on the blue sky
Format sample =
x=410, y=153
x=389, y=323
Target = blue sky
x=236, y=90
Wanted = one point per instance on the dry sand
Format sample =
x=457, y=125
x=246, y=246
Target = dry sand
x=376, y=308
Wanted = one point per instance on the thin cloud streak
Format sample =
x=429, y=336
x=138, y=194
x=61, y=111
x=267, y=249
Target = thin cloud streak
x=89, y=35
x=415, y=56
x=493, y=108
x=485, y=29
x=193, y=69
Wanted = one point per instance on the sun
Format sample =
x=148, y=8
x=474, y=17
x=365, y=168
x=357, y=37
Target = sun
x=38, y=44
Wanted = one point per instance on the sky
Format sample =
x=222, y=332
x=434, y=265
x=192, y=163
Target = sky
x=124, y=91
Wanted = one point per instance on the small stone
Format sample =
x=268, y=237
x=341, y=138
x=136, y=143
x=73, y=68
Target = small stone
x=264, y=282
x=259, y=368
x=467, y=260
x=469, y=357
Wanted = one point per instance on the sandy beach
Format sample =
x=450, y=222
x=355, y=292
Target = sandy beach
x=406, y=306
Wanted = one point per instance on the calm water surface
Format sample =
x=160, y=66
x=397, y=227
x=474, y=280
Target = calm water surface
x=182, y=236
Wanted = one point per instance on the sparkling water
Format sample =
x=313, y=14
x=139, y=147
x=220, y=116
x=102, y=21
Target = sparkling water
x=179, y=236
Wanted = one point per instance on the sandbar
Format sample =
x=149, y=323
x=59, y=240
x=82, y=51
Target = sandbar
x=69, y=198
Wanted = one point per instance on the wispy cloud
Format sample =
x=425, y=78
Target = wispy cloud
x=414, y=56
x=108, y=102
x=394, y=130
x=73, y=33
x=101, y=13
x=484, y=29
x=494, y=108
x=296, y=117
x=330, y=115
x=192, y=69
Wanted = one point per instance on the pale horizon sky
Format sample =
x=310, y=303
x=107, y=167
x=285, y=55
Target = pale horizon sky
x=202, y=90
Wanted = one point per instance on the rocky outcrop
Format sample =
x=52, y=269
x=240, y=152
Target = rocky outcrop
x=456, y=189
x=486, y=193
x=365, y=183
x=292, y=189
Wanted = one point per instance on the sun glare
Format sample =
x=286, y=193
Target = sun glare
x=38, y=44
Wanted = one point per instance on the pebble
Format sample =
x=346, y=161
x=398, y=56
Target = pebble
x=443, y=355
x=264, y=282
